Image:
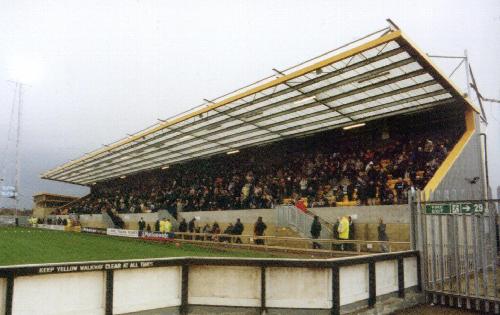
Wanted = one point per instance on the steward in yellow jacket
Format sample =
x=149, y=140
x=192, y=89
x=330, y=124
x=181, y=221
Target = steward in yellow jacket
x=162, y=226
x=343, y=230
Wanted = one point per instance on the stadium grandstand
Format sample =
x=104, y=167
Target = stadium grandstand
x=360, y=125
x=367, y=153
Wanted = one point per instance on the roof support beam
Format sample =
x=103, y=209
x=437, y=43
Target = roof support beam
x=375, y=117
x=383, y=95
x=329, y=75
x=330, y=119
x=317, y=100
x=245, y=93
x=353, y=79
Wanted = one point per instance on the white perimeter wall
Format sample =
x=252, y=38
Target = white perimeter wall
x=160, y=287
x=224, y=285
x=298, y=287
x=146, y=289
x=71, y=293
x=3, y=289
x=353, y=284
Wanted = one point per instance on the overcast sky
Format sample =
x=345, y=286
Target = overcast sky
x=101, y=69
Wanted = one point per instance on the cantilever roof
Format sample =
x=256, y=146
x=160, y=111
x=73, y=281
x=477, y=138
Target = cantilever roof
x=384, y=76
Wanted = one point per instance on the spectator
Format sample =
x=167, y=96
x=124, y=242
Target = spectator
x=183, y=227
x=206, y=228
x=191, y=225
x=258, y=230
x=238, y=230
x=355, y=170
x=352, y=246
x=142, y=224
x=215, y=231
x=382, y=235
x=197, y=230
x=315, y=231
x=157, y=226
x=336, y=234
x=401, y=188
x=228, y=231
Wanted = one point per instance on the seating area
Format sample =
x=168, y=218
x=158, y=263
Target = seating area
x=333, y=168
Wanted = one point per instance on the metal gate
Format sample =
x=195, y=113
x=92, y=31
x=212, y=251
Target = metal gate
x=458, y=242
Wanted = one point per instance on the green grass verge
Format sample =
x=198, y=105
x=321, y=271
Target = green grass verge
x=32, y=246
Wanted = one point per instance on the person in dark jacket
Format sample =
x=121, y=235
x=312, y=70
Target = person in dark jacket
x=142, y=226
x=258, y=230
x=148, y=228
x=336, y=234
x=215, y=232
x=227, y=231
x=351, y=246
x=315, y=231
x=382, y=235
x=157, y=226
x=238, y=230
x=183, y=226
x=191, y=226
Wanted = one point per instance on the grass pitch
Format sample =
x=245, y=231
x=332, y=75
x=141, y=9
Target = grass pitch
x=32, y=246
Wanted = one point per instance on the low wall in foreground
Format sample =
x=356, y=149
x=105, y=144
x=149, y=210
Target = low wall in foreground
x=120, y=287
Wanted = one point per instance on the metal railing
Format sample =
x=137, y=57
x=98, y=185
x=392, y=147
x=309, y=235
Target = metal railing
x=289, y=216
x=327, y=245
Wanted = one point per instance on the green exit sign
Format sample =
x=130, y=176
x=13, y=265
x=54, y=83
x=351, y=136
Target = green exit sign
x=437, y=209
x=454, y=208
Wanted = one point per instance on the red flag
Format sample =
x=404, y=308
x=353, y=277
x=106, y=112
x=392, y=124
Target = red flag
x=300, y=204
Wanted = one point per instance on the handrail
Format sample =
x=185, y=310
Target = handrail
x=287, y=217
x=330, y=244
x=323, y=222
x=70, y=203
x=290, y=238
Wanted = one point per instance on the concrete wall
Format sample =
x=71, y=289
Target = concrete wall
x=76, y=293
x=40, y=212
x=353, y=284
x=145, y=289
x=298, y=288
x=365, y=214
x=3, y=289
x=397, y=218
x=411, y=277
x=130, y=219
x=224, y=285
x=468, y=164
x=160, y=287
x=247, y=217
x=396, y=214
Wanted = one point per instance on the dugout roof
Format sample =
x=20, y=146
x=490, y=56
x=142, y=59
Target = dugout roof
x=382, y=76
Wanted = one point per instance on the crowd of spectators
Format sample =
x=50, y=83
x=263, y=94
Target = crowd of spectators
x=322, y=171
